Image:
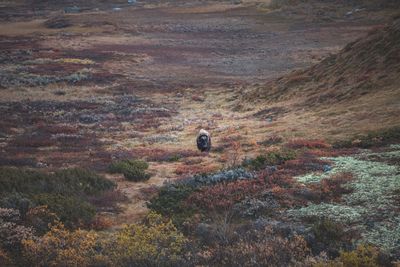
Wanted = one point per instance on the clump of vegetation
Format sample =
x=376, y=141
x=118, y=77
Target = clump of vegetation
x=265, y=248
x=329, y=237
x=363, y=255
x=269, y=159
x=60, y=247
x=65, y=182
x=157, y=242
x=66, y=193
x=170, y=202
x=72, y=211
x=133, y=170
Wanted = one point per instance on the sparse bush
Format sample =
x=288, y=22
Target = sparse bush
x=133, y=170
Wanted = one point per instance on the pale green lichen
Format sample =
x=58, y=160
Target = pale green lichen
x=372, y=197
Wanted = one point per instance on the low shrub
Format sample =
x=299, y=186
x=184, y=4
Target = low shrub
x=41, y=218
x=266, y=249
x=362, y=256
x=332, y=188
x=60, y=247
x=133, y=170
x=65, y=182
x=224, y=176
x=269, y=159
x=155, y=243
x=329, y=234
x=72, y=211
x=170, y=202
x=223, y=196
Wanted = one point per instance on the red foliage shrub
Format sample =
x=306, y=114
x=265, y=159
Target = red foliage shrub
x=304, y=164
x=223, y=196
x=331, y=189
x=301, y=143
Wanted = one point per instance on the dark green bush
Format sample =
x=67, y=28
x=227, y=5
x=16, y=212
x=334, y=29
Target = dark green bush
x=72, y=211
x=170, y=202
x=133, y=170
x=269, y=159
x=64, y=182
x=329, y=237
x=65, y=192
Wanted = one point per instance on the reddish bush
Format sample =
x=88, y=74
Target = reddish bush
x=304, y=164
x=224, y=196
x=331, y=189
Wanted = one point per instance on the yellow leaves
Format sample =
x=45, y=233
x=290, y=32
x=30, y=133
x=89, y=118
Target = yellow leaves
x=61, y=247
x=156, y=239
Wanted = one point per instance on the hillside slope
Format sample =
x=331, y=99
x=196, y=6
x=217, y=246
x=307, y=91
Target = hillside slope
x=369, y=65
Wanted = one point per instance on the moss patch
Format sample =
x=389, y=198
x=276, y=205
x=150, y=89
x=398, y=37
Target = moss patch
x=371, y=206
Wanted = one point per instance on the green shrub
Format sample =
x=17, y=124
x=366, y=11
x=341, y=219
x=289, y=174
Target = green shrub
x=72, y=211
x=133, y=170
x=170, y=202
x=328, y=232
x=65, y=182
x=271, y=158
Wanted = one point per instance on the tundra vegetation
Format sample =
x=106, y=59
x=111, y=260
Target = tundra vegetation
x=100, y=111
